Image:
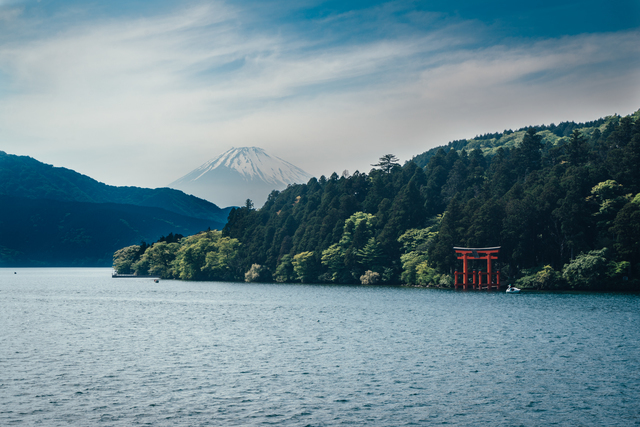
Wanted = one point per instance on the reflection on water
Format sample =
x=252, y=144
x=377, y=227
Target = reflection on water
x=77, y=346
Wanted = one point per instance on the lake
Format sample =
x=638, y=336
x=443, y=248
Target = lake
x=80, y=348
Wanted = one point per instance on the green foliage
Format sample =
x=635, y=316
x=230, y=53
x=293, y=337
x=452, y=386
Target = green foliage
x=333, y=259
x=410, y=263
x=204, y=256
x=527, y=282
x=415, y=262
x=304, y=267
x=221, y=263
x=490, y=143
x=357, y=248
x=370, y=254
x=426, y=275
x=608, y=195
x=284, y=271
x=446, y=281
x=618, y=270
x=414, y=239
x=588, y=270
x=545, y=278
x=626, y=228
x=191, y=256
x=387, y=162
x=548, y=278
x=157, y=260
x=529, y=152
x=207, y=256
x=548, y=197
x=124, y=258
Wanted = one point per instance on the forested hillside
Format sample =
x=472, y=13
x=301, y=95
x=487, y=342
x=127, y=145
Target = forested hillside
x=41, y=232
x=566, y=213
x=23, y=176
x=52, y=216
x=550, y=135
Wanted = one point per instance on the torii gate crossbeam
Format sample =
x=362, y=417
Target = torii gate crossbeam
x=491, y=279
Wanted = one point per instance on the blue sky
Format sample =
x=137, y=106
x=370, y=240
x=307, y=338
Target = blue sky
x=140, y=92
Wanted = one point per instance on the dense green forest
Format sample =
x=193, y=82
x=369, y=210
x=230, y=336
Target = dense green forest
x=563, y=206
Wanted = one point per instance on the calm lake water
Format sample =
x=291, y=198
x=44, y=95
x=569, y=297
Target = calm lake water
x=80, y=348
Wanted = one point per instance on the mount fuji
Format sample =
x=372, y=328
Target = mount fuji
x=240, y=174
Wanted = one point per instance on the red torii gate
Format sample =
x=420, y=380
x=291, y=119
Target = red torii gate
x=491, y=279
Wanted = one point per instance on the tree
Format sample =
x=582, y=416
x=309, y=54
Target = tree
x=542, y=211
x=207, y=256
x=445, y=281
x=387, y=162
x=256, y=273
x=410, y=263
x=157, y=260
x=416, y=239
x=370, y=278
x=124, y=259
x=414, y=260
x=449, y=235
x=588, y=270
x=426, y=275
x=529, y=151
x=191, y=256
x=548, y=278
x=221, y=263
x=626, y=228
x=609, y=199
x=357, y=249
x=370, y=255
x=333, y=259
x=436, y=172
x=284, y=271
x=577, y=148
x=304, y=267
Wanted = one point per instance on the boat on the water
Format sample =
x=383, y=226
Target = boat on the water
x=512, y=290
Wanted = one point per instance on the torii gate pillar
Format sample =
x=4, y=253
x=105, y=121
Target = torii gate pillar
x=488, y=254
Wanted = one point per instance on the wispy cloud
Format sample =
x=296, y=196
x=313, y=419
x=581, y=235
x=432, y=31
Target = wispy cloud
x=177, y=88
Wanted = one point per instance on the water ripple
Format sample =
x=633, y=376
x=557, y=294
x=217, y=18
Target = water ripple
x=77, y=347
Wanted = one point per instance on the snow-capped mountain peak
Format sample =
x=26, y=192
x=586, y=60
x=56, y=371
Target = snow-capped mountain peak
x=239, y=174
x=254, y=163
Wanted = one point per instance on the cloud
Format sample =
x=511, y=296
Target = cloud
x=104, y=96
x=9, y=14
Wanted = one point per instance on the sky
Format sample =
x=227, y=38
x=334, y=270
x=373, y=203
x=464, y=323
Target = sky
x=140, y=93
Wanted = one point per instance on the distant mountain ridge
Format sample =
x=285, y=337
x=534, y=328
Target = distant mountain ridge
x=239, y=174
x=24, y=176
x=54, y=216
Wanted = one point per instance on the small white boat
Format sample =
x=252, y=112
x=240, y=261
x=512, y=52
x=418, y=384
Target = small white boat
x=512, y=290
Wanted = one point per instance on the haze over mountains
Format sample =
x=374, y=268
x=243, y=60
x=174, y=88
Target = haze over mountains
x=239, y=174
